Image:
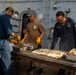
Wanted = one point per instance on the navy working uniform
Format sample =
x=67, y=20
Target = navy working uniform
x=66, y=33
x=5, y=32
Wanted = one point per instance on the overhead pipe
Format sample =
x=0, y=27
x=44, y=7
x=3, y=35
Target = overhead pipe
x=65, y=0
x=20, y=1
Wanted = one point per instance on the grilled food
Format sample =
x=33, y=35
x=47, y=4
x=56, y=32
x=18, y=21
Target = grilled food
x=49, y=53
x=56, y=54
x=72, y=52
x=41, y=51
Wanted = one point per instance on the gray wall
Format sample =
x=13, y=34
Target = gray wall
x=37, y=5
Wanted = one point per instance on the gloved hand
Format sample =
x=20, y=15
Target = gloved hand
x=13, y=41
x=22, y=41
x=18, y=38
x=52, y=47
x=38, y=41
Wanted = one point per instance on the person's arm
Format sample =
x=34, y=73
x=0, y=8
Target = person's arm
x=55, y=37
x=41, y=30
x=14, y=35
x=74, y=30
x=8, y=27
x=42, y=34
x=6, y=24
x=25, y=35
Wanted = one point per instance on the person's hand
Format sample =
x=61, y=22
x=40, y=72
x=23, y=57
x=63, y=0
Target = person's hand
x=18, y=38
x=22, y=41
x=13, y=41
x=38, y=41
x=52, y=47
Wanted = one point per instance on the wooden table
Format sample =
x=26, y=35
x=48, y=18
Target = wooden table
x=60, y=63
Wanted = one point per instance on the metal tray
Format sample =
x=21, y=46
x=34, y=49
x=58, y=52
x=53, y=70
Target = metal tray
x=31, y=46
x=71, y=57
x=21, y=49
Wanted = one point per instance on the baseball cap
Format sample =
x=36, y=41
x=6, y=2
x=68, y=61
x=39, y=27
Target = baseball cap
x=32, y=13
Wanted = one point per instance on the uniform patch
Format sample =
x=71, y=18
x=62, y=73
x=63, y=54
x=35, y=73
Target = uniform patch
x=34, y=27
x=75, y=25
x=59, y=27
x=68, y=25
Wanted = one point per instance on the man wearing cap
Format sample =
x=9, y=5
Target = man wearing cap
x=35, y=33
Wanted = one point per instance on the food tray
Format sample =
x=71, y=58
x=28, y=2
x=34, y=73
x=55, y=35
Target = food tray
x=71, y=57
x=19, y=48
x=23, y=48
x=31, y=46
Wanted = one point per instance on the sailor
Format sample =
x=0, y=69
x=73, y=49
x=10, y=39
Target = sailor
x=65, y=29
x=34, y=33
x=5, y=33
